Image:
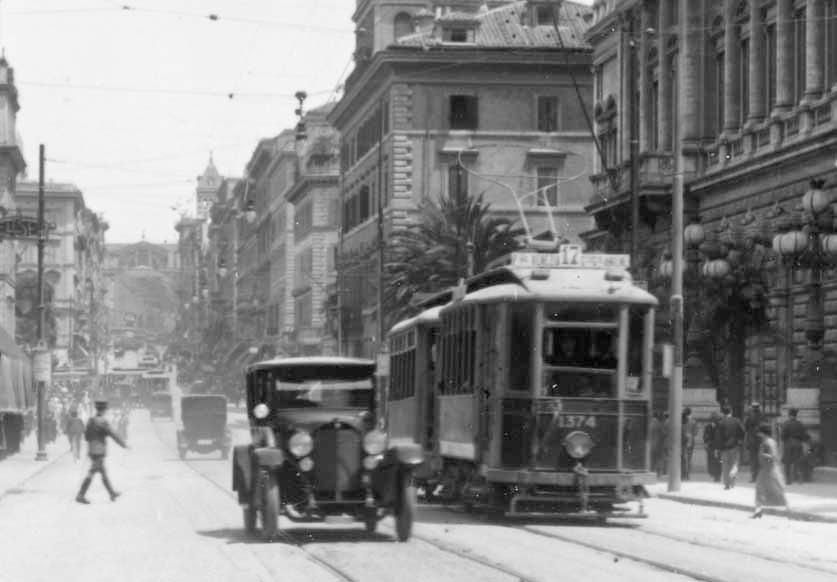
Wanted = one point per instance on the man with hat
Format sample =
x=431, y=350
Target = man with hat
x=751, y=440
x=793, y=437
x=96, y=433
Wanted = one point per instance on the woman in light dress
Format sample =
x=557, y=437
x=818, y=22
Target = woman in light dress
x=770, y=483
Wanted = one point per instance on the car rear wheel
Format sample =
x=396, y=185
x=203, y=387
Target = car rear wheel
x=250, y=515
x=370, y=520
x=270, y=505
x=405, y=509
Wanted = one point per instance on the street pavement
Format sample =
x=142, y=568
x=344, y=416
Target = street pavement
x=178, y=521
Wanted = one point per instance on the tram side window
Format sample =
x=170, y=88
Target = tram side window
x=520, y=342
x=458, y=347
x=636, y=342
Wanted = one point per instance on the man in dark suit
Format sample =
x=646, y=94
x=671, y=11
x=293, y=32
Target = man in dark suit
x=730, y=437
x=96, y=433
x=793, y=437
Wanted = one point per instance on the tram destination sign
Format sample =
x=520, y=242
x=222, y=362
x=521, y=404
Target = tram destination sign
x=569, y=256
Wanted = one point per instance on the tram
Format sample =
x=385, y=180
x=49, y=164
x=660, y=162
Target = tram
x=529, y=387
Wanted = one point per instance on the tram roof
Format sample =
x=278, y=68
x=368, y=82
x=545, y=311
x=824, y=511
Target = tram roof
x=309, y=361
x=581, y=285
x=431, y=315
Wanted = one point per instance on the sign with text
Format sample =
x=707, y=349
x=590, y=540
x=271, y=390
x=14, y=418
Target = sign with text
x=42, y=366
x=570, y=256
x=21, y=227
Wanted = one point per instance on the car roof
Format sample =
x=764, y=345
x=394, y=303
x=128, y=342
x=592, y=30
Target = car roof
x=309, y=361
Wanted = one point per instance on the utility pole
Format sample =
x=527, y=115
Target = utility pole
x=633, y=129
x=382, y=351
x=43, y=361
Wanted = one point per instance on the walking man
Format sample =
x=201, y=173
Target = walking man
x=97, y=431
x=75, y=429
x=689, y=436
x=793, y=435
x=710, y=441
x=752, y=438
x=731, y=436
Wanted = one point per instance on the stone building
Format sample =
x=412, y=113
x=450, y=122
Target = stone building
x=752, y=116
x=11, y=165
x=461, y=98
x=316, y=210
x=73, y=282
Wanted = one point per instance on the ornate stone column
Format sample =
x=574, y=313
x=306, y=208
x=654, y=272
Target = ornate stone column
x=784, y=56
x=664, y=94
x=813, y=49
x=732, y=107
x=644, y=25
x=756, y=65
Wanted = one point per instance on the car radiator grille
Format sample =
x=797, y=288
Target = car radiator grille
x=336, y=455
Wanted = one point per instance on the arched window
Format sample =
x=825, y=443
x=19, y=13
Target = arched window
x=403, y=25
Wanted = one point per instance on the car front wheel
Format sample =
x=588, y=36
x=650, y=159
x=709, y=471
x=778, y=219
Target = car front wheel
x=405, y=509
x=270, y=505
x=249, y=518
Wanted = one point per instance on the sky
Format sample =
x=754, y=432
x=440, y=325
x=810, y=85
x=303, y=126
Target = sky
x=131, y=97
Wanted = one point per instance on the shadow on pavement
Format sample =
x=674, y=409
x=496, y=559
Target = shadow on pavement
x=440, y=514
x=299, y=536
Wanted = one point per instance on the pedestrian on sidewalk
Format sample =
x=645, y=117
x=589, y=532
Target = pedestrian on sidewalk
x=689, y=435
x=97, y=431
x=770, y=486
x=710, y=442
x=751, y=440
x=75, y=429
x=794, y=437
x=731, y=436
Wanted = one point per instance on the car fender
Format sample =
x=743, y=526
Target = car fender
x=409, y=454
x=269, y=457
x=242, y=465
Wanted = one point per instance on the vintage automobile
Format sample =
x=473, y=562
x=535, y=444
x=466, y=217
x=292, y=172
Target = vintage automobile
x=317, y=451
x=204, y=425
x=161, y=405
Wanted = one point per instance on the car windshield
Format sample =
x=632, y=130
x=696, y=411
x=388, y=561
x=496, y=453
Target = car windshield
x=324, y=393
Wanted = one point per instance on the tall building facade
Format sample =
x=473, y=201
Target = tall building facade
x=73, y=282
x=752, y=117
x=460, y=99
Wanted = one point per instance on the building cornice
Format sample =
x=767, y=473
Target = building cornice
x=299, y=188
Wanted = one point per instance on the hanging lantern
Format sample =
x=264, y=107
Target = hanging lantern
x=791, y=243
x=694, y=235
x=828, y=242
x=718, y=268
x=815, y=200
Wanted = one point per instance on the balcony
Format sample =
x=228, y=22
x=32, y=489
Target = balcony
x=656, y=171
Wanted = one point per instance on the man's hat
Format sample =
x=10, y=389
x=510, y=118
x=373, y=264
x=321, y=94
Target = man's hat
x=100, y=404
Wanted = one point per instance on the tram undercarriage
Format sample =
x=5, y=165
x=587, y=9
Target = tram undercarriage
x=579, y=494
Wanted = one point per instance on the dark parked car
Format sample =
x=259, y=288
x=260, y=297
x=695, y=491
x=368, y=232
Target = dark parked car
x=204, y=430
x=161, y=405
x=317, y=451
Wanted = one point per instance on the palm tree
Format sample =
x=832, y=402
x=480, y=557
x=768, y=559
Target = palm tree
x=432, y=254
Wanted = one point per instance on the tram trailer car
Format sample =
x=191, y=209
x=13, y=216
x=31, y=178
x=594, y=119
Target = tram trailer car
x=536, y=377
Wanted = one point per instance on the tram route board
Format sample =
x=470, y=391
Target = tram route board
x=570, y=256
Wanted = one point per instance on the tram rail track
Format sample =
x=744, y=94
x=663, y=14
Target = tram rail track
x=336, y=570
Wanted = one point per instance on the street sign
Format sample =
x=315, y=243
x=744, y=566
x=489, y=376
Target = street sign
x=382, y=369
x=21, y=227
x=42, y=366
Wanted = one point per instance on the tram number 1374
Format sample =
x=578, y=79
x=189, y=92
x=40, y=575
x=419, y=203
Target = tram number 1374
x=576, y=421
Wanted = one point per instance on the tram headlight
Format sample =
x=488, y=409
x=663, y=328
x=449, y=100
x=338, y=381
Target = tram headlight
x=306, y=464
x=301, y=443
x=374, y=442
x=578, y=444
x=261, y=411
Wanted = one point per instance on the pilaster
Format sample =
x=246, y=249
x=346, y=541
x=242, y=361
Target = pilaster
x=732, y=105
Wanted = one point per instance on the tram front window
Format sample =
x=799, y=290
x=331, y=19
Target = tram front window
x=579, y=362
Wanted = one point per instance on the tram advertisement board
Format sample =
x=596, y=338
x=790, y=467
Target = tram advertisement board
x=570, y=256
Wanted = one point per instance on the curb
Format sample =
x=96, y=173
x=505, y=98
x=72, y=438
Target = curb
x=790, y=514
x=46, y=465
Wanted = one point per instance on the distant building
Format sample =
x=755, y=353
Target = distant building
x=73, y=282
x=464, y=99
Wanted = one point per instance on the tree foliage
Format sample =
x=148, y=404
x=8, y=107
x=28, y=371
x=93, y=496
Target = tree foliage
x=432, y=255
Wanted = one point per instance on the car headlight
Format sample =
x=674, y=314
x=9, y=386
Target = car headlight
x=261, y=411
x=374, y=442
x=578, y=444
x=301, y=443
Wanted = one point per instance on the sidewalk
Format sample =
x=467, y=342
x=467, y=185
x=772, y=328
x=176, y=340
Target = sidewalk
x=808, y=501
x=19, y=468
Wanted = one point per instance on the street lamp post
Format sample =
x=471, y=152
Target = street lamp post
x=43, y=359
